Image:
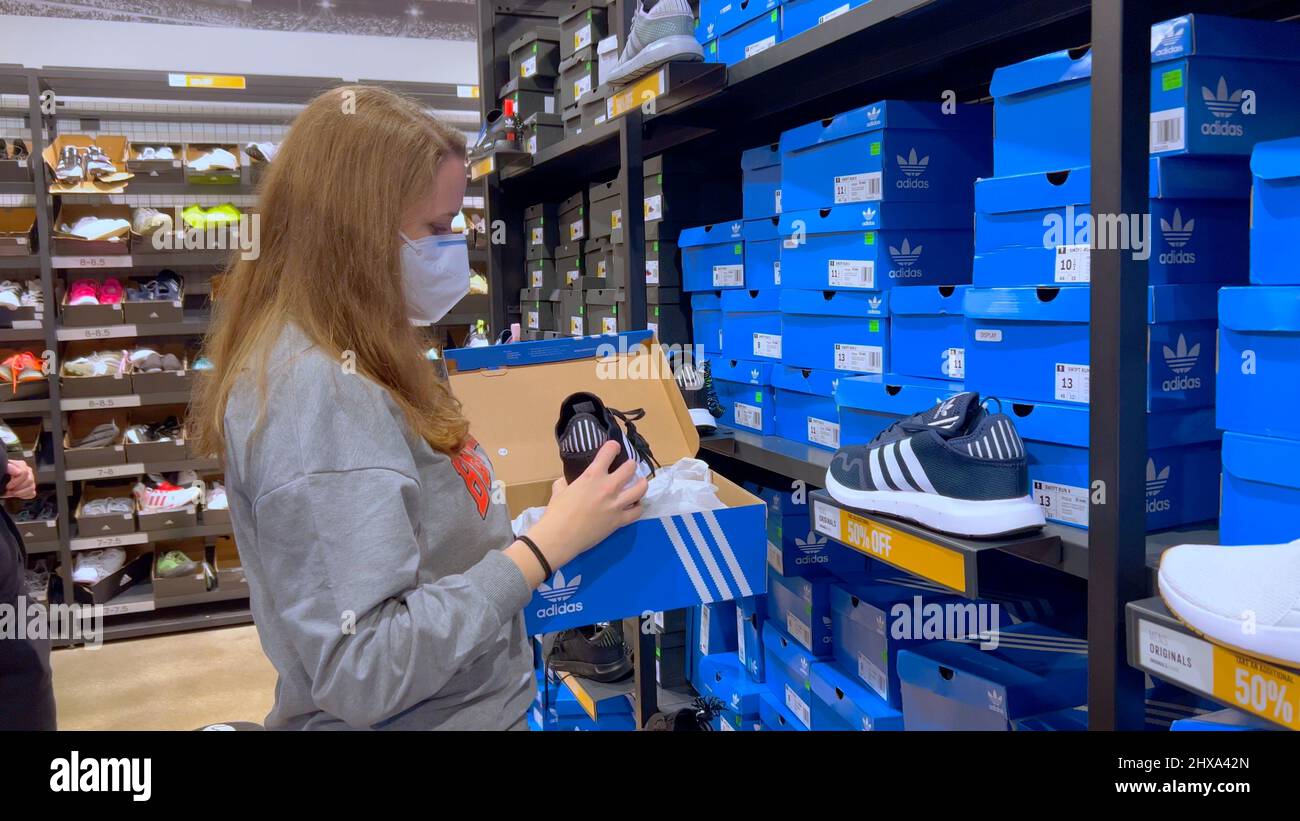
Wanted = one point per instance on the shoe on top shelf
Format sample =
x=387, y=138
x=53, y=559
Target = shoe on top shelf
x=955, y=468
x=664, y=34
x=500, y=131
x=585, y=424
x=149, y=221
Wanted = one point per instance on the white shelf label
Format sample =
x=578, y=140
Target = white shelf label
x=798, y=706
x=97, y=542
x=824, y=432
x=748, y=416
x=860, y=358
x=105, y=472
x=876, y=678
x=101, y=402
x=833, y=13
x=799, y=631
x=111, y=261
x=654, y=207
x=1176, y=656
x=728, y=275
x=955, y=363
x=1071, y=382
x=740, y=628
x=988, y=334
x=767, y=345
x=760, y=46
x=826, y=519
x=1167, y=132
x=1062, y=503
x=851, y=273
x=1073, y=264
x=98, y=332
x=652, y=272
x=857, y=188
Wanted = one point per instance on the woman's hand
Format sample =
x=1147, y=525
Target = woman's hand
x=582, y=514
x=22, y=484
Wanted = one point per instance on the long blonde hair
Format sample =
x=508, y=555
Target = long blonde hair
x=355, y=161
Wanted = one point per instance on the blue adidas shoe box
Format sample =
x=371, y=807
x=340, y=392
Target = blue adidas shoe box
x=717, y=17
x=760, y=186
x=802, y=15
x=1219, y=721
x=948, y=685
x=715, y=627
x=744, y=389
x=805, y=553
x=751, y=612
x=751, y=325
x=713, y=256
x=801, y=607
x=706, y=321
x=775, y=716
x=753, y=36
x=789, y=671
x=1218, y=86
x=869, y=404
x=1035, y=229
x=1259, y=370
x=840, y=698
x=722, y=677
x=876, y=246
x=1275, y=212
x=1032, y=343
x=927, y=332
x=762, y=254
x=805, y=405
x=1166, y=705
x=1261, y=490
x=837, y=330
x=887, y=151
x=1182, y=462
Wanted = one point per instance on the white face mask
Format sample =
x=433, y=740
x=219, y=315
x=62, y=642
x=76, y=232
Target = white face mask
x=435, y=273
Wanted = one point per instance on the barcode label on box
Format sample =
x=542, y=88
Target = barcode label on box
x=760, y=46
x=582, y=37
x=851, y=273
x=654, y=207
x=857, y=187
x=575, y=326
x=1062, y=503
x=776, y=272
x=728, y=275
x=768, y=345
x=533, y=322
x=616, y=219
x=833, y=13
x=577, y=230
x=581, y=86
x=748, y=416
x=537, y=235
x=600, y=269
x=1167, y=132
x=532, y=144
x=1073, y=263
x=1071, y=382
x=571, y=277
x=775, y=559
x=799, y=631
x=860, y=358
x=652, y=272
x=548, y=104
x=797, y=705
x=875, y=678
x=778, y=200
x=954, y=363
x=537, y=279
x=609, y=324
x=528, y=67
x=823, y=432
x=740, y=623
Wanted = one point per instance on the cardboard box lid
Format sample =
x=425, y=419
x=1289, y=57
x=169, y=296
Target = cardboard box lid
x=491, y=381
x=745, y=371
x=971, y=118
x=17, y=221
x=1208, y=35
x=764, y=156
x=543, y=34
x=1275, y=308
x=835, y=303
x=1165, y=303
x=900, y=396
x=1063, y=66
x=719, y=233
x=1276, y=159
x=929, y=300
x=741, y=300
x=1068, y=424
x=812, y=381
x=71, y=212
x=1261, y=458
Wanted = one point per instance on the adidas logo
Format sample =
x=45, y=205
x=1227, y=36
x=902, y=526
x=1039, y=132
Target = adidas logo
x=1167, y=43
x=942, y=417
x=868, y=216
x=905, y=256
x=910, y=165
x=753, y=375
x=811, y=547
x=880, y=623
x=835, y=385
x=1156, y=481
x=557, y=594
x=874, y=304
x=1220, y=103
x=735, y=229
x=1181, y=360
x=873, y=113
x=1178, y=232
x=997, y=701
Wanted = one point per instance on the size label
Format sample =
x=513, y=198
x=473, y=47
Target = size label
x=798, y=630
x=798, y=706
x=1062, y=503
x=1071, y=382
x=778, y=200
x=851, y=273
x=1167, y=130
x=824, y=432
x=860, y=358
x=616, y=219
x=575, y=326
x=704, y=629
x=577, y=229
x=1073, y=263
x=600, y=269
x=652, y=272
x=528, y=67
x=748, y=416
x=776, y=272
x=876, y=678
x=857, y=187
x=581, y=86
x=768, y=345
x=533, y=322
x=954, y=363
x=582, y=37
x=654, y=207
x=609, y=324
x=988, y=334
x=760, y=46
x=537, y=279
x=532, y=144
x=570, y=277
x=537, y=235
x=728, y=275
x=775, y=559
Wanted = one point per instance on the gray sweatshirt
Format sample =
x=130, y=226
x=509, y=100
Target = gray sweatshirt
x=378, y=585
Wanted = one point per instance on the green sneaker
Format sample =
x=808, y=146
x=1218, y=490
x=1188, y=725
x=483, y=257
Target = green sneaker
x=174, y=563
x=195, y=216
x=223, y=215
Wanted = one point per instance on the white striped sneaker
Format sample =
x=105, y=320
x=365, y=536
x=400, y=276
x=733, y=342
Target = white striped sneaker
x=955, y=468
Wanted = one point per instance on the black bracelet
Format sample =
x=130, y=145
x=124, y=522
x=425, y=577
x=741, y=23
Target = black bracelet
x=537, y=551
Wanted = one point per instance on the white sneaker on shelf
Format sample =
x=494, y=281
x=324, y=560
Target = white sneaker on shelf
x=1246, y=598
x=216, y=159
x=92, y=566
x=661, y=35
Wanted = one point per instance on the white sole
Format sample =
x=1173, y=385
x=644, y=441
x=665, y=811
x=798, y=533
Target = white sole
x=702, y=419
x=956, y=517
x=1278, y=644
x=664, y=50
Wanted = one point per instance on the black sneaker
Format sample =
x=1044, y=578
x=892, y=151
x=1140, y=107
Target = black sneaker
x=697, y=718
x=955, y=468
x=597, y=653
x=697, y=389
x=586, y=424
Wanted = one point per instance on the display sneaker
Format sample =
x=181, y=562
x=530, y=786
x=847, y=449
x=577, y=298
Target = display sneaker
x=217, y=498
x=1244, y=597
x=37, y=578
x=33, y=295
x=98, y=165
x=214, y=160
x=69, y=170
x=696, y=384
x=156, y=493
x=93, y=566
x=598, y=653
x=262, y=152
x=586, y=423
x=955, y=468
x=661, y=35
x=11, y=295
x=500, y=131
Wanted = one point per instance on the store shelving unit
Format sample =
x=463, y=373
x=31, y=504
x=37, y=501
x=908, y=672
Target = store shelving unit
x=920, y=49
x=85, y=100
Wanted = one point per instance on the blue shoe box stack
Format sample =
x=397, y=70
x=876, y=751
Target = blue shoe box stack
x=732, y=30
x=1259, y=371
x=744, y=389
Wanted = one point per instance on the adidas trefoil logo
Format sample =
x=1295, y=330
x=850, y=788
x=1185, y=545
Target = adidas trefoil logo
x=1220, y=103
x=873, y=113
x=1156, y=481
x=868, y=216
x=1180, y=358
x=835, y=385
x=874, y=304
x=997, y=702
x=1178, y=232
x=753, y=375
x=735, y=229
x=910, y=165
x=560, y=589
x=812, y=544
x=905, y=255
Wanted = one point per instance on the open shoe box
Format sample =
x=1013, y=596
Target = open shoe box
x=138, y=561
x=17, y=231
x=80, y=423
x=156, y=170
x=229, y=568
x=164, y=381
x=71, y=245
x=33, y=389
x=108, y=524
x=215, y=176
x=113, y=146
x=29, y=433
x=174, y=451
x=653, y=564
x=112, y=384
x=12, y=169
x=214, y=517
x=187, y=516
x=153, y=311
x=194, y=584
x=39, y=531
x=93, y=315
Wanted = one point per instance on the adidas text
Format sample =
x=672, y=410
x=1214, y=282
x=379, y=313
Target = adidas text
x=1219, y=129
x=818, y=559
x=561, y=609
x=1158, y=505
x=1178, y=258
x=1181, y=383
x=904, y=273
x=912, y=183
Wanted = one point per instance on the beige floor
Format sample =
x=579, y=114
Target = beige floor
x=174, y=682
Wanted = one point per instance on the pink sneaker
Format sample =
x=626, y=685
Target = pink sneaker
x=84, y=292
x=110, y=293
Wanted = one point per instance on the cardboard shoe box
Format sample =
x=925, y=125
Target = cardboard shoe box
x=210, y=516
x=744, y=390
x=1274, y=213
x=117, y=243
x=594, y=106
x=13, y=169
x=805, y=408
x=927, y=331
x=585, y=23
x=154, y=311
x=869, y=404
x=192, y=584
x=211, y=176
x=154, y=170
x=713, y=256
x=116, y=383
x=645, y=566
x=579, y=75
x=136, y=569
x=1260, y=489
x=175, y=450
x=17, y=231
x=662, y=266
x=751, y=325
x=571, y=313
x=542, y=275
x=761, y=181
x=114, y=147
x=606, y=266
x=80, y=424
x=538, y=315
x=187, y=516
x=541, y=230
x=573, y=220
x=536, y=53
x=838, y=698
x=229, y=567
x=164, y=381
x=531, y=96
x=569, y=265
x=837, y=330
x=605, y=204
x=108, y=524
x=541, y=131
x=762, y=253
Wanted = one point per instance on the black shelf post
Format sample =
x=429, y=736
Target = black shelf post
x=1121, y=67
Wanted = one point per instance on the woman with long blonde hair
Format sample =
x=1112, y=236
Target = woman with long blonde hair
x=386, y=584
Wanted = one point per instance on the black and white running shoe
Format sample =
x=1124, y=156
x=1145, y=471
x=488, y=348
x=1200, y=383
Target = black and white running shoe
x=697, y=389
x=955, y=468
x=585, y=424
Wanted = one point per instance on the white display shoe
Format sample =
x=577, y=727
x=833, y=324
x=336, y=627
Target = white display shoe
x=1246, y=598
